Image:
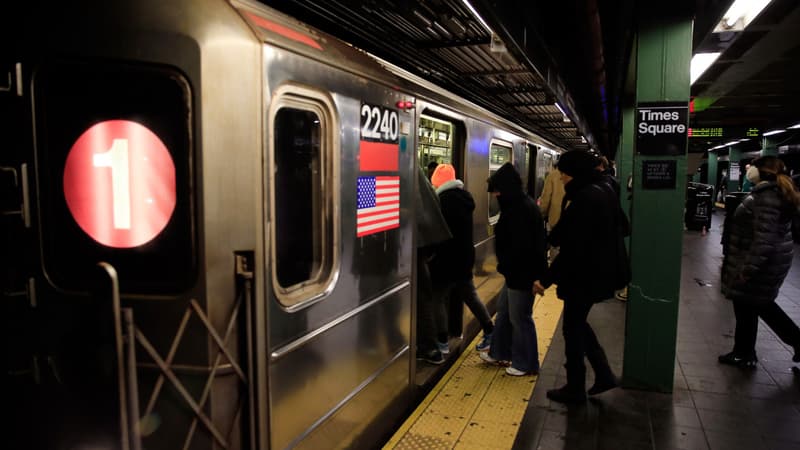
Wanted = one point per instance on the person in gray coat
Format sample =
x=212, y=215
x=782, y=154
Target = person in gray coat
x=759, y=253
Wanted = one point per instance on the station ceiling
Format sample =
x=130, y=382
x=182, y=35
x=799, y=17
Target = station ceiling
x=529, y=54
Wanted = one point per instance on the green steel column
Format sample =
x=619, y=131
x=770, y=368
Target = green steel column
x=663, y=52
x=769, y=147
x=712, y=172
x=734, y=174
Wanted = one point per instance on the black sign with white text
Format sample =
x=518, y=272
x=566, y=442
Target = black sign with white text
x=661, y=128
x=659, y=174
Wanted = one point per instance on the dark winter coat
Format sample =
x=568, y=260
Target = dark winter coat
x=588, y=235
x=759, y=248
x=520, y=241
x=455, y=257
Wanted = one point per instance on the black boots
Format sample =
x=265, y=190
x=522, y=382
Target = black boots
x=732, y=359
x=566, y=394
x=603, y=384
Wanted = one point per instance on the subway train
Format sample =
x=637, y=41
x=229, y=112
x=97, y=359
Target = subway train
x=208, y=225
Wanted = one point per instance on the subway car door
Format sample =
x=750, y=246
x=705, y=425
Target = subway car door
x=339, y=249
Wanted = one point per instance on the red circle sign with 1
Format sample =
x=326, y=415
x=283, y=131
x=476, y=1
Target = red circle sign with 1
x=119, y=183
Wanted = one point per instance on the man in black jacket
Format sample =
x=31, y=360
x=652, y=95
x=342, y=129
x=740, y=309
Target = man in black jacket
x=521, y=258
x=585, y=270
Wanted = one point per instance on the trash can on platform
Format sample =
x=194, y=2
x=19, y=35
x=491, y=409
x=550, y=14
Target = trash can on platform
x=699, y=204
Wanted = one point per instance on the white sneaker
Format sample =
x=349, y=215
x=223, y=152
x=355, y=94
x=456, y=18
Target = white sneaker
x=488, y=359
x=515, y=372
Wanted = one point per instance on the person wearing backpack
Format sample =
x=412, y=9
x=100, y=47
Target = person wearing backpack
x=588, y=269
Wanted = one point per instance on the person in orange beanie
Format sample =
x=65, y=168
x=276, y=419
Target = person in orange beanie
x=451, y=267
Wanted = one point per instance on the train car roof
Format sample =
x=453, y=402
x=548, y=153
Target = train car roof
x=280, y=30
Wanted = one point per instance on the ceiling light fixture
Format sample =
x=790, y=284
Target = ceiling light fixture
x=477, y=16
x=566, y=118
x=794, y=127
x=700, y=63
x=740, y=14
x=771, y=132
x=730, y=143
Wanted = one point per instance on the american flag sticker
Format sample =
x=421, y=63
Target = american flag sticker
x=378, y=204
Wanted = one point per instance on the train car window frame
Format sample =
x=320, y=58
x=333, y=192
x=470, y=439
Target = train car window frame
x=430, y=137
x=325, y=215
x=508, y=146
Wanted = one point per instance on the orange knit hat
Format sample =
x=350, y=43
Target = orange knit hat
x=443, y=174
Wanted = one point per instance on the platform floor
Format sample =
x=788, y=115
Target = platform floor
x=712, y=406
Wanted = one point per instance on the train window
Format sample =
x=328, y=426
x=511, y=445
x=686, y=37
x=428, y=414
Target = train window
x=303, y=240
x=499, y=154
x=114, y=152
x=435, y=141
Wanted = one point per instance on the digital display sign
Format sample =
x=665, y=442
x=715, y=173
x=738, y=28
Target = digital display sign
x=720, y=132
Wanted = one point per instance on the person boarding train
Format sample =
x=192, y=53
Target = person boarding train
x=520, y=246
x=451, y=267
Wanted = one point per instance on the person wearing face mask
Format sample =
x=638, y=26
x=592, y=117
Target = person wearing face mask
x=759, y=253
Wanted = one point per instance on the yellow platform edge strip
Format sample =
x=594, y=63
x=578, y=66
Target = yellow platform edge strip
x=546, y=311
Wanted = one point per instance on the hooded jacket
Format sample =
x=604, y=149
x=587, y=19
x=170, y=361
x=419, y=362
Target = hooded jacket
x=455, y=257
x=520, y=242
x=759, y=249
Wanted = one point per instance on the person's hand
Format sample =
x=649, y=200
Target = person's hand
x=538, y=288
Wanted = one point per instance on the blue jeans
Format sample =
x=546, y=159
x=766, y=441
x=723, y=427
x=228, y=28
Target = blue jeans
x=514, y=337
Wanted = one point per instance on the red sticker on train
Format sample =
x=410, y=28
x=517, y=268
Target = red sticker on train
x=119, y=183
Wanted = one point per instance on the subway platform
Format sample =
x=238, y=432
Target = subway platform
x=712, y=406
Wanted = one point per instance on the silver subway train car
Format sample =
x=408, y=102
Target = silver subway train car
x=209, y=229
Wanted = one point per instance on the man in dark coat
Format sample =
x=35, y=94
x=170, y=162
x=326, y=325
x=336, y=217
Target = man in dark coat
x=520, y=248
x=451, y=267
x=585, y=270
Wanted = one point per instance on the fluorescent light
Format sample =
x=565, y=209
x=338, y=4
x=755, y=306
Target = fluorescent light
x=730, y=143
x=771, y=132
x=740, y=14
x=794, y=127
x=566, y=118
x=477, y=16
x=701, y=62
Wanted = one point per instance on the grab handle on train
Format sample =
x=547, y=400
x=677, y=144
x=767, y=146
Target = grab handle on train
x=125, y=355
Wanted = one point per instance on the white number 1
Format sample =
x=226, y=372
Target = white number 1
x=117, y=159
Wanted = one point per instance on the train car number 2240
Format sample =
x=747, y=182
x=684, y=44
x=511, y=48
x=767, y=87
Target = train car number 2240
x=379, y=123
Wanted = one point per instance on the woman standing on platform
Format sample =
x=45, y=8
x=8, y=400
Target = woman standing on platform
x=585, y=270
x=759, y=254
x=520, y=249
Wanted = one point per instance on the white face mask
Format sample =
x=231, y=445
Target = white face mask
x=752, y=174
